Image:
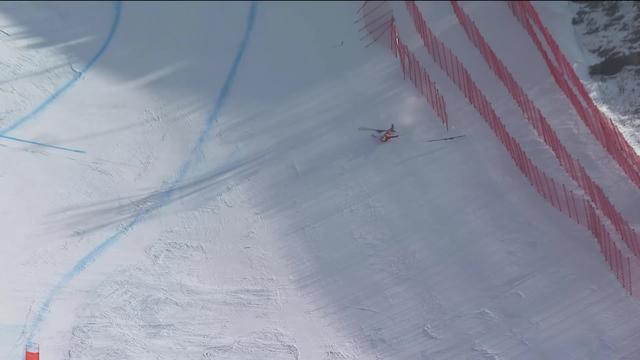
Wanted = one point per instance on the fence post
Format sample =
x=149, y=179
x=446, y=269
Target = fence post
x=629, y=273
x=575, y=207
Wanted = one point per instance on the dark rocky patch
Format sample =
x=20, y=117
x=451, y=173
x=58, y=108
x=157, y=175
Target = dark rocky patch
x=614, y=63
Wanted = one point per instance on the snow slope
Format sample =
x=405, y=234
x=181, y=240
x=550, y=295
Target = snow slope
x=228, y=207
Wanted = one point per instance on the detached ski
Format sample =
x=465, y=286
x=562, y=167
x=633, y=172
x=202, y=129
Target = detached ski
x=446, y=138
x=371, y=129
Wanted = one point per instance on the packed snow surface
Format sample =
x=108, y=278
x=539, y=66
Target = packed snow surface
x=212, y=197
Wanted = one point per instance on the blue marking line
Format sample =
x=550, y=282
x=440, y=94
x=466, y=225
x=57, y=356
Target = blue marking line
x=53, y=97
x=42, y=144
x=94, y=254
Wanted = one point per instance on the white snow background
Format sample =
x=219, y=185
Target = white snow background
x=226, y=206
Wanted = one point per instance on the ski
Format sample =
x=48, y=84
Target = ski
x=446, y=138
x=372, y=129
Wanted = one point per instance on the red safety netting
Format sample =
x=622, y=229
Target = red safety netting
x=577, y=207
x=380, y=26
x=535, y=117
x=599, y=124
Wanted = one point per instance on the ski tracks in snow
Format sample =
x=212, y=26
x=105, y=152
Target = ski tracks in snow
x=117, y=8
x=33, y=326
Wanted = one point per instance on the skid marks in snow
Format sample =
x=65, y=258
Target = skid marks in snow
x=170, y=320
x=55, y=93
x=90, y=217
x=260, y=345
x=485, y=353
x=149, y=309
x=18, y=73
x=142, y=157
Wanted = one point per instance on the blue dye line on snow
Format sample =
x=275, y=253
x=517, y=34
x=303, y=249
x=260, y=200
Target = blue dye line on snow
x=42, y=144
x=93, y=255
x=53, y=97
